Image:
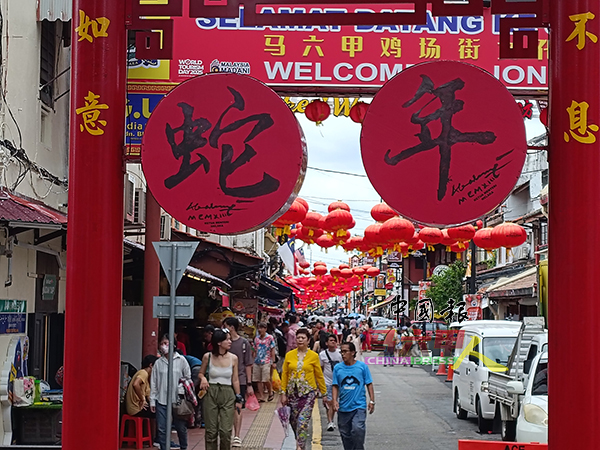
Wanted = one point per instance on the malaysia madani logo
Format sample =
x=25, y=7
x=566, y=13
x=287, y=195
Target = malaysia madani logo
x=242, y=68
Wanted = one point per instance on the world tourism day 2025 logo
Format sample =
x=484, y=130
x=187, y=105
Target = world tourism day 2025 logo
x=242, y=68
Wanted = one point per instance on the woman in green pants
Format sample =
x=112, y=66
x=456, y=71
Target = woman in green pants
x=222, y=389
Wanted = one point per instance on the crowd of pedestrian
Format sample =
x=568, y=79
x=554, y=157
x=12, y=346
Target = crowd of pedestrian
x=226, y=368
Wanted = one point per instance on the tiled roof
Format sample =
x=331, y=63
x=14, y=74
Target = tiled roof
x=16, y=208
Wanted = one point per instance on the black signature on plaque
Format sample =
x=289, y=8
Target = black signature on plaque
x=448, y=136
x=492, y=173
x=193, y=140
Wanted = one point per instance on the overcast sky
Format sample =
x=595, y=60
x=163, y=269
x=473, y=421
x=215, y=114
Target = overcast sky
x=335, y=145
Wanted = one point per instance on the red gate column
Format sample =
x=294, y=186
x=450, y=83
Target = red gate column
x=151, y=275
x=573, y=229
x=95, y=237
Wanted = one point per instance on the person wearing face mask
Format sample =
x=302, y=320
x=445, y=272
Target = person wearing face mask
x=222, y=392
x=159, y=393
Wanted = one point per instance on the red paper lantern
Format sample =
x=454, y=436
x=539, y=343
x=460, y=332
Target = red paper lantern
x=397, y=230
x=373, y=272
x=414, y=239
x=296, y=213
x=447, y=240
x=358, y=112
x=358, y=271
x=346, y=273
x=304, y=264
x=462, y=234
x=419, y=245
x=404, y=249
x=479, y=224
x=319, y=263
x=303, y=202
x=338, y=221
x=311, y=222
x=382, y=212
x=325, y=241
x=338, y=205
x=351, y=244
x=483, y=239
x=509, y=235
x=335, y=272
x=319, y=270
x=373, y=235
x=302, y=234
x=344, y=266
x=431, y=236
x=317, y=111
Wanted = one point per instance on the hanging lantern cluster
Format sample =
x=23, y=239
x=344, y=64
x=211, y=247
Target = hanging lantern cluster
x=296, y=213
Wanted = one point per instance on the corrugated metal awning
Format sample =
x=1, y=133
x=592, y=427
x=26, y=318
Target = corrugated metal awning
x=53, y=10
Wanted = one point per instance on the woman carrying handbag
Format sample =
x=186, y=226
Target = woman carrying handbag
x=222, y=391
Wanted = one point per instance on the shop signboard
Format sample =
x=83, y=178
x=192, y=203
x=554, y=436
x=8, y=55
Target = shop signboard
x=212, y=154
x=423, y=287
x=349, y=56
x=474, y=306
x=13, y=316
x=142, y=98
x=394, y=259
x=428, y=125
x=49, y=287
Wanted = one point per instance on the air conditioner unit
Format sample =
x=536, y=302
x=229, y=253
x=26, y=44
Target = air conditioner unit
x=139, y=211
x=129, y=200
x=202, y=233
x=165, y=227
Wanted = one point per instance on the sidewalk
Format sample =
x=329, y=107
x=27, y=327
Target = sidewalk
x=260, y=430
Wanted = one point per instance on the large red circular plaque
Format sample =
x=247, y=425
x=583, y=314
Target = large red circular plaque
x=222, y=153
x=443, y=143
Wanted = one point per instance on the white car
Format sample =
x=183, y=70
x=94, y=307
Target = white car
x=532, y=423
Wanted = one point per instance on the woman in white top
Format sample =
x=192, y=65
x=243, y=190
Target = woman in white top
x=222, y=392
x=354, y=337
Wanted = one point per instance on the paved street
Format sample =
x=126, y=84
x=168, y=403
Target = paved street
x=413, y=411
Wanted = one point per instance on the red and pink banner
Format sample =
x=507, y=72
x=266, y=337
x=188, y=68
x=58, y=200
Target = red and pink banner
x=342, y=55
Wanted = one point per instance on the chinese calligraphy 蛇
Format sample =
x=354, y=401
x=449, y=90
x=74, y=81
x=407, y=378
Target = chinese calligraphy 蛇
x=579, y=128
x=192, y=140
x=580, y=31
x=99, y=27
x=448, y=136
x=91, y=113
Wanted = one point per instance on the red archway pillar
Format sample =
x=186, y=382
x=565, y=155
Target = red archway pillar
x=95, y=238
x=574, y=161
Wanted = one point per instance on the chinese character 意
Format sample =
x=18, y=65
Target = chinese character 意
x=580, y=32
x=91, y=114
x=467, y=49
x=424, y=310
x=311, y=40
x=391, y=46
x=429, y=48
x=274, y=44
x=579, y=128
x=448, y=135
x=193, y=139
x=542, y=48
x=99, y=27
x=352, y=44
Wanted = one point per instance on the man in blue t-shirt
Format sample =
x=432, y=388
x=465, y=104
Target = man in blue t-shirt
x=349, y=398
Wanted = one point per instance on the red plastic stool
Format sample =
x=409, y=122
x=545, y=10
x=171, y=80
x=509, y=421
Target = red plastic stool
x=138, y=437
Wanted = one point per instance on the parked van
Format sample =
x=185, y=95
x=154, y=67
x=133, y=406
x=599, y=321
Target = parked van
x=492, y=343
